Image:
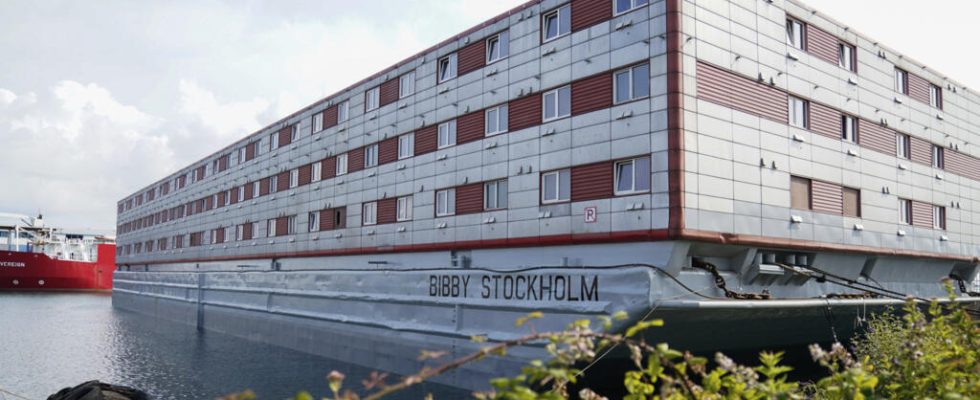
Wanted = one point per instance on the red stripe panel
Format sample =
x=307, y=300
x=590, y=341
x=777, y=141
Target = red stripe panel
x=827, y=197
x=921, y=151
x=740, y=93
x=876, y=137
x=469, y=127
x=264, y=186
x=918, y=88
x=822, y=44
x=282, y=226
x=330, y=116
x=593, y=181
x=962, y=164
x=247, y=231
x=328, y=167
x=388, y=150
x=922, y=214
x=426, y=139
x=306, y=174
x=285, y=136
x=825, y=120
x=524, y=112
x=282, y=181
x=326, y=220
x=469, y=198
x=592, y=93
x=472, y=57
x=387, y=210
x=250, y=151
x=355, y=159
x=389, y=91
x=586, y=13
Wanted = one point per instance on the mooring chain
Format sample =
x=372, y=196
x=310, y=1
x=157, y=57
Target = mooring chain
x=962, y=285
x=720, y=282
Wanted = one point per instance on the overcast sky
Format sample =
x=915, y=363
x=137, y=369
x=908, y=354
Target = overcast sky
x=100, y=98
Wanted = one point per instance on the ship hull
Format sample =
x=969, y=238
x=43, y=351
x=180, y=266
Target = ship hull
x=28, y=271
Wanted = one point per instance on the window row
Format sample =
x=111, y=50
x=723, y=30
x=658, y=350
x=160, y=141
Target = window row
x=809, y=194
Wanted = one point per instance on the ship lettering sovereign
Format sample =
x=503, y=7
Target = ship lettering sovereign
x=525, y=287
x=12, y=264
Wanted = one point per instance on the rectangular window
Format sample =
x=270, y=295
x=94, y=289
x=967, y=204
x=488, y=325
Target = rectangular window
x=255, y=189
x=627, y=5
x=938, y=157
x=404, y=208
x=846, y=57
x=632, y=176
x=406, y=85
x=901, y=81
x=936, y=96
x=799, y=193
x=556, y=23
x=293, y=133
x=313, y=221
x=270, y=228
x=228, y=197
x=241, y=155
x=848, y=128
x=406, y=146
x=317, y=122
x=343, y=111
x=799, y=110
x=795, y=34
x=291, y=225
x=340, y=218
x=939, y=217
x=445, y=202
x=905, y=211
x=852, y=202
x=241, y=193
x=498, y=47
x=240, y=232
x=273, y=183
x=294, y=178
x=447, y=134
x=557, y=103
x=632, y=83
x=369, y=215
x=341, y=164
x=317, y=171
x=447, y=68
x=496, y=120
x=903, y=145
x=556, y=186
x=495, y=195
x=371, y=155
x=372, y=99
x=274, y=141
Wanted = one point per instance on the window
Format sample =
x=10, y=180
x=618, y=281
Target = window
x=241, y=156
x=273, y=182
x=498, y=47
x=799, y=112
x=293, y=133
x=901, y=81
x=938, y=157
x=626, y=5
x=447, y=134
x=445, y=202
x=343, y=111
x=495, y=195
x=848, y=128
x=274, y=141
x=556, y=186
x=404, y=208
x=342, y=164
x=556, y=23
x=241, y=192
x=369, y=215
x=240, y=232
x=372, y=99
x=313, y=221
x=496, y=120
x=447, y=68
x=936, y=96
x=799, y=193
x=291, y=225
x=903, y=145
x=795, y=33
x=317, y=122
x=558, y=103
x=340, y=217
x=406, y=146
x=905, y=211
x=852, y=202
x=632, y=176
x=371, y=155
x=632, y=83
x=845, y=57
x=228, y=197
x=294, y=178
x=270, y=228
x=255, y=189
x=406, y=85
x=939, y=217
x=317, y=172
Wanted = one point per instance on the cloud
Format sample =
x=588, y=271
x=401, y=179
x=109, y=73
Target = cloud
x=228, y=119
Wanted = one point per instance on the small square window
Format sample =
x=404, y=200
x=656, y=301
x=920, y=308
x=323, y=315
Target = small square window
x=498, y=47
x=406, y=146
x=556, y=186
x=341, y=164
x=848, y=128
x=445, y=202
x=632, y=83
x=845, y=55
x=903, y=146
x=496, y=120
x=632, y=176
x=556, y=23
x=406, y=85
x=795, y=34
x=622, y=6
x=372, y=99
x=901, y=81
x=799, y=111
x=447, y=134
x=370, y=213
x=557, y=103
x=447, y=68
x=495, y=195
x=404, y=207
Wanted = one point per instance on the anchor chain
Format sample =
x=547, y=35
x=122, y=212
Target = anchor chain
x=720, y=282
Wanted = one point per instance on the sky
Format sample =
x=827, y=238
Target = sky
x=101, y=98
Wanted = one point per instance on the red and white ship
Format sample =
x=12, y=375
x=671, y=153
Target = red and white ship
x=34, y=257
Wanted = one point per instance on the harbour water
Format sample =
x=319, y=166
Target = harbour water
x=52, y=340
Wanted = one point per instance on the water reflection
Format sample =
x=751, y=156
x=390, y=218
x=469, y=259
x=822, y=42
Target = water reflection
x=51, y=340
